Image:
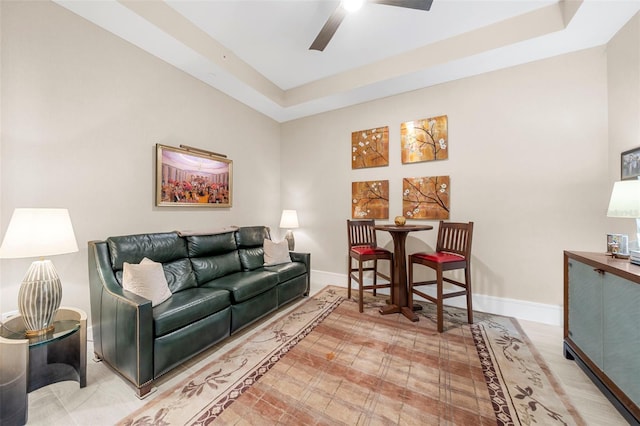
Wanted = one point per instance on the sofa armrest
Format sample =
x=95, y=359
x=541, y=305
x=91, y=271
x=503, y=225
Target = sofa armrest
x=122, y=322
x=306, y=259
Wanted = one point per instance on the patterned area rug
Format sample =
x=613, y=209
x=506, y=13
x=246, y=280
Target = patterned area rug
x=325, y=363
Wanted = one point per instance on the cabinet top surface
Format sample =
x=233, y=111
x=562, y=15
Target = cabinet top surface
x=608, y=263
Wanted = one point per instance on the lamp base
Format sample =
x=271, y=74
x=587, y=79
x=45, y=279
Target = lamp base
x=36, y=333
x=39, y=297
x=289, y=237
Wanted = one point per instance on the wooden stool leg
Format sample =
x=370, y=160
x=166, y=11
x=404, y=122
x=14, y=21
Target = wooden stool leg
x=360, y=289
x=467, y=278
x=409, y=285
x=375, y=275
x=439, y=304
x=391, y=278
x=349, y=266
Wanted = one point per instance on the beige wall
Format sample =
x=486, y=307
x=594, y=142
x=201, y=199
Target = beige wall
x=82, y=111
x=623, y=71
x=529, y=156
x=527, y=161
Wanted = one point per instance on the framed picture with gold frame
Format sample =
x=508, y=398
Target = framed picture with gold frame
x=192, y=177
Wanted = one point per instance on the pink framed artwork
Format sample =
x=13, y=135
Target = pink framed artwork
x=191, y=177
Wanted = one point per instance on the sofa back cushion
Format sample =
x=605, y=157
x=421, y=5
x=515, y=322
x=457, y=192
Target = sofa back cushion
x=180, y=275
x=213, y=256
x=211, y=245
x=249, y=240
x=167, y=248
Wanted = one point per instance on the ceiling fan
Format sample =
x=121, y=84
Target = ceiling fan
x=331, y=26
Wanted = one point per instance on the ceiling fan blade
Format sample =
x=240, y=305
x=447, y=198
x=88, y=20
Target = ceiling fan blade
x=329, y=29
x=410, y=4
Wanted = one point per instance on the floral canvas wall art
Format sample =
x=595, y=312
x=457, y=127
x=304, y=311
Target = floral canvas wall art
x=424, y=140
x=426, y=198
x=370, y=199
x=370, y=148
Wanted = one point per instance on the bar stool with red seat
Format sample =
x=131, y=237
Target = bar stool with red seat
x=363, y=247
x=453, y=251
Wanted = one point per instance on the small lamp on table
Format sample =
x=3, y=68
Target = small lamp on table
x=625, y=202
x=39, y=233
x=289, y=221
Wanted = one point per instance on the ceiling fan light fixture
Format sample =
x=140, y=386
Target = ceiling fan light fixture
x=348, y=6
x=352, y=5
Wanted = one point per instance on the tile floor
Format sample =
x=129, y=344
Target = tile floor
x=107, y=397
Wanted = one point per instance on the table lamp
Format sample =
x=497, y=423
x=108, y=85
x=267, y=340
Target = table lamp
x=39, y=233
x=289, y=220
x=625, y=202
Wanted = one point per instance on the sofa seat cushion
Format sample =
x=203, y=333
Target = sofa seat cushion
x=188, y=306
x=287, y=271
x=246, y=284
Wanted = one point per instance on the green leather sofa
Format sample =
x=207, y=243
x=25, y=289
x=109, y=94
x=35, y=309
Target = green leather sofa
x=219, y=285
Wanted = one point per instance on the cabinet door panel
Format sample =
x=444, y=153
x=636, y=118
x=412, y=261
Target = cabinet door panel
x=621, y=306
x=585, y=309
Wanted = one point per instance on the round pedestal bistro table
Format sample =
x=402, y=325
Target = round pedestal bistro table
x=399, y=296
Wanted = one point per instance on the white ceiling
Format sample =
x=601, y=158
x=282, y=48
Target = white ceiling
x=256, y=51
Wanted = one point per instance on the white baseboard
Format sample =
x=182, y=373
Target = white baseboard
x=521, y=309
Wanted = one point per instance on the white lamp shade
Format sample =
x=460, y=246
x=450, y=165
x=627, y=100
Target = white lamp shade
x=625, y=199
x=289, y=219
x=38, y=233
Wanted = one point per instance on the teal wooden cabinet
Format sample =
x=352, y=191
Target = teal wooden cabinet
x=602, y=325
x=585, y=310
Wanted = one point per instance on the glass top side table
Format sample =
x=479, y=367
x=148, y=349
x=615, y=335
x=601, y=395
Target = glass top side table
x=16, y=331
x=27, y=364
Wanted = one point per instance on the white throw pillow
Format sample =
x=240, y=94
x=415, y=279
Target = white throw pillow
x=147, y=280
x=276, y=253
